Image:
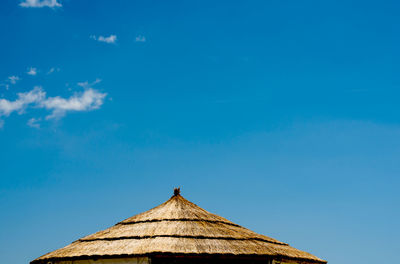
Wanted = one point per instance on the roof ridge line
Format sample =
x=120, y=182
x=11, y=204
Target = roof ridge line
x=177, y=236
x=177, y=220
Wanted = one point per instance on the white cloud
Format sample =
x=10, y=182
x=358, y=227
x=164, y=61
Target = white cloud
x=32, y=71
x=24, y=99
x=13, y=79
x=40, y=3
x=34, y=122
x=140, y=38
x=89, y=99
x=110, y=39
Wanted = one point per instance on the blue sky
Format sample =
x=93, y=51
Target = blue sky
x=281, y=116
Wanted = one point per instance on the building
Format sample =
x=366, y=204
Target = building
x=177, y=231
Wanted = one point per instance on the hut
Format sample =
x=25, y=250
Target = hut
x=177, y=231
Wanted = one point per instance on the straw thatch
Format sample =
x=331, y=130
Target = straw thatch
x=176, y=227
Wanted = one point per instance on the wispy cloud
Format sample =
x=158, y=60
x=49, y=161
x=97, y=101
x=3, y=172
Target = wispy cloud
x=32, y=71
x=13, y=79
x=140, y=38
x=40, y=3
x=110, y=39
x=89, y=99
x=34, y=122
x=86, y=84
x=52, y=70
x=6, y=85
x=10, y=80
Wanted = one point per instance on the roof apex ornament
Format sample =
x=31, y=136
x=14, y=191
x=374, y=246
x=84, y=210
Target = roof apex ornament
x=177, y=191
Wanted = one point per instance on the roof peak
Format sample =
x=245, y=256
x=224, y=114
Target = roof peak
x=176, y=208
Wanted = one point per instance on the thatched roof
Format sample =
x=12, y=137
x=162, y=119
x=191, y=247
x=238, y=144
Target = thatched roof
x=176, y=227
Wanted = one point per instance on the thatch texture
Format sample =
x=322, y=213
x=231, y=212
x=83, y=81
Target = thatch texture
x=177, y=227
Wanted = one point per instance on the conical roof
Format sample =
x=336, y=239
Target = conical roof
x=179, y=227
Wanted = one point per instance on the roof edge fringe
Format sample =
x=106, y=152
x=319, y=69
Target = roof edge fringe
x=83, y=257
